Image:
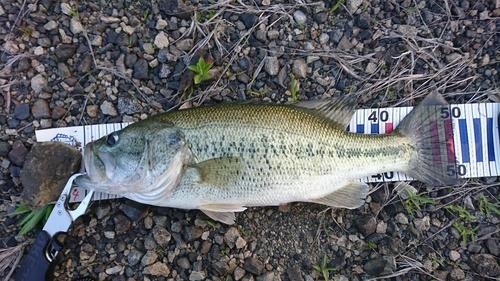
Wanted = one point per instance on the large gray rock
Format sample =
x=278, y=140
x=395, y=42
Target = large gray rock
x=177, y=8
x=47, y=168
x=485, y=265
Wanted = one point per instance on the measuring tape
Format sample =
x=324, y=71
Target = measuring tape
x=472, y=148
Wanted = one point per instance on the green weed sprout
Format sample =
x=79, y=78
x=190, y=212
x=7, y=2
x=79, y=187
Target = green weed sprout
x=460, y=211
x=201, y=69
x=465, y=232
x=413, y=202
x=32, y=218
x=336, y=6
x=259, y=94
x=293, y=88
x=74, y=13
x=486, y=207
x=324, y=269
x=210, y=223
x=26, y=31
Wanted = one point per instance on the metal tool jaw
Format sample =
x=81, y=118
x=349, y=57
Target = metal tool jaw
x=35, y=265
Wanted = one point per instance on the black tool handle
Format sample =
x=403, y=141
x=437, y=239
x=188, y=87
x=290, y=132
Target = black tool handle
x=35, y=265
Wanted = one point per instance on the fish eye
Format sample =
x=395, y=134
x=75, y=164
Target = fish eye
x=111, y=139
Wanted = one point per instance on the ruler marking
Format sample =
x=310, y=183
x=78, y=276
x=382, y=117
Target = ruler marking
x=469, y=116
x=360, y=129
x=479, y=144
x=492, y=112
x=489, y=131
x=483, y=114
x=436, y=151
x=450, y=144
x=457, y=139
x=464, y=140
x=477, y=139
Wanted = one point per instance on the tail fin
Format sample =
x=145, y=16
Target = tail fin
x=429, y=132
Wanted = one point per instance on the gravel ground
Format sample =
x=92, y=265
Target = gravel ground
x=93, y=62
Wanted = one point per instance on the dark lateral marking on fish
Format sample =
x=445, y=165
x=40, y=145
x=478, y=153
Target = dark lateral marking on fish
x=355, y=153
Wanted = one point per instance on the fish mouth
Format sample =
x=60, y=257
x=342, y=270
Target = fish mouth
x=99, y=166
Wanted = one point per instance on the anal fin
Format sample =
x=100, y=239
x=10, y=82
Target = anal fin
x=350, y=196
x=222, y=212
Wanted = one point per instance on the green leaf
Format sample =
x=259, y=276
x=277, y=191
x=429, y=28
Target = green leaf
x=32, y=223
x=193, y=68
x=207, y=67
x=21, y=209
x=48, y=211
x=201, y=63
x=197, y=79
x=336, y=6
x=493, y=208
x=426, y=200
x=26, y=219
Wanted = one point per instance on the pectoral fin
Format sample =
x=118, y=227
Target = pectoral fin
x=222, y=212
x=350, y=196
x=219, y=172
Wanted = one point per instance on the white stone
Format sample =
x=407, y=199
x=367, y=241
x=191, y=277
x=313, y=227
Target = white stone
x=311, y=59
x=161, y=24
x=108, y=108
x=51, y=25
x=323, y=38
x=40, y=68
x=381, y=227
x=299, y=68
x=407, y=30
x=114, y=270
x=370, y=68
x=299, y=17
x=401, y=218
x=154, y=63
x=38, y=82
x=127, y=29
x=96, y=40
x=485, y=60
x=110, y=20
x=148, y=48
x=454, y=255
x=65, y=38
x=75, y=26
x=161, y=40
x=240, y=243
x=353, y=5
x=266, y=2
x=422, y=224
x=272, y=66
x=38, y=51
x=196, y=275
x=273, y=34
x=66, y=9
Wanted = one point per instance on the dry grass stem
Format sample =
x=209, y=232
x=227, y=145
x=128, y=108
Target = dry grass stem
x=10, y=257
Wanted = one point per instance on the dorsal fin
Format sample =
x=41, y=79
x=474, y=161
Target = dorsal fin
x=336, y=110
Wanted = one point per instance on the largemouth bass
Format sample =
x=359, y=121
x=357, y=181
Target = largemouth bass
x=221, y=159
